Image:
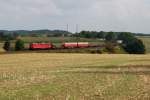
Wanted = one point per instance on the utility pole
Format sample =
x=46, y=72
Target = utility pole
x=67, y=28
x=77, y=34
x=77, y=28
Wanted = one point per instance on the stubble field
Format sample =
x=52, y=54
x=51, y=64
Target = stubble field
x=44, y=76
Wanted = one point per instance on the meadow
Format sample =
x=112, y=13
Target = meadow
x=51, y=76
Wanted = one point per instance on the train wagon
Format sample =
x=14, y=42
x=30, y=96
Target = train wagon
x=83, y=44
x=76, y=45
x=35, y=46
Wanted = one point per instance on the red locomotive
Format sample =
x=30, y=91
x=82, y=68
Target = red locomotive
x=41, y=46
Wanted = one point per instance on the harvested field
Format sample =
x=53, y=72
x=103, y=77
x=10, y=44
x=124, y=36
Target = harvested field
x=44, y=76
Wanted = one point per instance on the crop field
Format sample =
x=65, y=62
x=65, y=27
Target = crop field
x=1, y=47
x=50, y=76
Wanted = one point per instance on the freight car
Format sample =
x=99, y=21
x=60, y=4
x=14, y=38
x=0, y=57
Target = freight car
x=35, y=46
x=76, y=45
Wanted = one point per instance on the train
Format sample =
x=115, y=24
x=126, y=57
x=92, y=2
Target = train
x=36, y=46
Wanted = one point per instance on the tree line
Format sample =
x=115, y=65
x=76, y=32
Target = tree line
x=130, y=43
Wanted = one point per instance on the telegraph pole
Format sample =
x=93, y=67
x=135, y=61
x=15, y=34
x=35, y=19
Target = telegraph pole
x=67, y=28
x=77, y=34
x=77, y=28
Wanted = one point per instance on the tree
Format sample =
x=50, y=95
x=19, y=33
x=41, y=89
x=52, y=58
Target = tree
x=15, y=35
x=101, y=35
x=126, y=37
x=7, y=45
x=19, y=45
x=110, y=36
x=135, y=47
x=1, y=35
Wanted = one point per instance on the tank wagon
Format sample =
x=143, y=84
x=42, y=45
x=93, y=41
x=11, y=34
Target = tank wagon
x=76, y=45
x=34, y=46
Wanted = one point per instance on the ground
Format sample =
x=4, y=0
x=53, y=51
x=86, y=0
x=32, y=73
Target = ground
x=51, y=76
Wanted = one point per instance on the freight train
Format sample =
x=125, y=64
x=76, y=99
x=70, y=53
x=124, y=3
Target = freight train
x=36, y=46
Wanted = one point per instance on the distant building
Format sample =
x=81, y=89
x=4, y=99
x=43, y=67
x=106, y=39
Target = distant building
x=119, y=41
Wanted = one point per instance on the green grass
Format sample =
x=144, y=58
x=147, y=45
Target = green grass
x=44, y=76
x=57, y=39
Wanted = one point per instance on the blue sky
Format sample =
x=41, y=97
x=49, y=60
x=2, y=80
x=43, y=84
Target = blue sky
x=96, y=15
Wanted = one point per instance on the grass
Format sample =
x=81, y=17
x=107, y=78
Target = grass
x=58, y=39
x=146, y=40
x=44, y=76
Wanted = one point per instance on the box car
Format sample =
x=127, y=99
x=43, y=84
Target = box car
x=41, y=46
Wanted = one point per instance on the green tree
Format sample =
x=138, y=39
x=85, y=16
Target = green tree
x=126, y=37
x=7, y=45
x=110, y=36
x=131, y=44
x=135, y=47
x=101, y=35
x=19, y=45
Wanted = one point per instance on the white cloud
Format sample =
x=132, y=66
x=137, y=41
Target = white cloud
x=108, y=15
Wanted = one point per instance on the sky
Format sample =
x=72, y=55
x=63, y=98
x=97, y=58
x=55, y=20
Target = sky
x=92, y=15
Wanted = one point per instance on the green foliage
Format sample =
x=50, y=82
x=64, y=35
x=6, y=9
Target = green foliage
x=131, y=44
x=135, y=47
x=101, y=35
x=5, y=37
x=19, y=45
x=91, y=34
x=126, y=37
x=110, y=36
x=7, y=45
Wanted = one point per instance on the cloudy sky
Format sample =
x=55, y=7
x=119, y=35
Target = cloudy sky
x=106, y=15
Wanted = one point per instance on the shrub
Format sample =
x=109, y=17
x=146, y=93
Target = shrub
x=110, y=47
x=19, y=45
x=6, y=45
x=135, y=47
x=131, y=44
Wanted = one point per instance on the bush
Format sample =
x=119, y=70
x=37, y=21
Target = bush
x=135, y=47
x=131, y=44
x=19, y=45
x=6, y=45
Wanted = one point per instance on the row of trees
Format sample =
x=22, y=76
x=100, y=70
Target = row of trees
x=4, y=37
x=19, y=45
x=130, y=43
